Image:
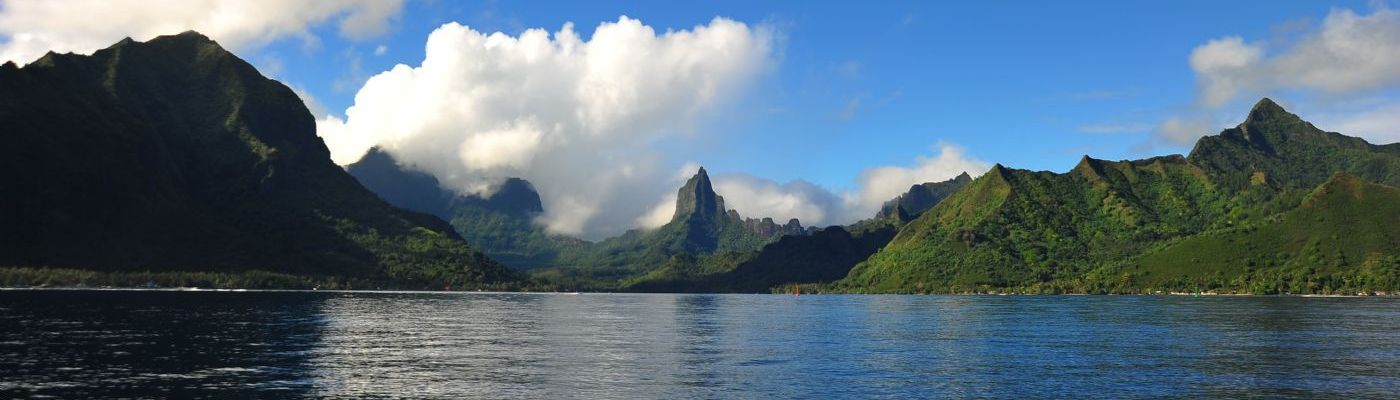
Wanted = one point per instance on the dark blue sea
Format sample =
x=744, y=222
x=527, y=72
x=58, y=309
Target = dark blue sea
x=112, y=344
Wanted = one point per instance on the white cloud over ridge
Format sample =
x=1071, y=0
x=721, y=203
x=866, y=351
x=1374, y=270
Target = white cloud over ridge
x=756, y=198
x=878, y=185
x=1349, y=53
x=30, y=28
x=578, y=118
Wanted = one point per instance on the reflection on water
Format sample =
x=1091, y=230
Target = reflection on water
x=280, y=344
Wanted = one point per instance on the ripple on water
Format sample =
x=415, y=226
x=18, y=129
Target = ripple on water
x=260, y=344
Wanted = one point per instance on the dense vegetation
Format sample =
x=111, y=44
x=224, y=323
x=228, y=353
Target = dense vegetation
x=1087, y=231
x=1342, y=239
x=175, y=158
x=824, y=256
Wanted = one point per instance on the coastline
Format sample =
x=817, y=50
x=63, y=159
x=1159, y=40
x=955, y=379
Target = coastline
x=492, y=292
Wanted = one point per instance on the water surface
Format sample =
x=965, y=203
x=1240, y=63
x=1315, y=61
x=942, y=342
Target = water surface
x=346, y=345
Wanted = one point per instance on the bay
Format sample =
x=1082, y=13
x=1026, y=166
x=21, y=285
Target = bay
x=181, y=344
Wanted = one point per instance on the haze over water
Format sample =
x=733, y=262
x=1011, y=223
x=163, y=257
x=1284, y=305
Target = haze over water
x=318, y=344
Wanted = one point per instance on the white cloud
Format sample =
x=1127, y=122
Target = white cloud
x=577, y=118
x=381, y=50
x=660, y=213
x=32, y=27
x=878, y=185
x=756, y=198
x=1183, y=131
x=1379, y=125
x=1348, y=56
x=1224, y=67
x=1349, y=53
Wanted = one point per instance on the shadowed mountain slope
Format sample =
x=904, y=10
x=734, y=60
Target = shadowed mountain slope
x=175, y=155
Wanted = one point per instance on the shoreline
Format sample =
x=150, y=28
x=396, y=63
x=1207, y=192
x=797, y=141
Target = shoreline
x=470, y=292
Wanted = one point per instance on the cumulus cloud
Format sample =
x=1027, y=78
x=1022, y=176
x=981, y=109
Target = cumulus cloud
x=755, y=197
x=1224, y=67
x=1349, y=53
x=878, y=185
x=576, y=117
x=30, y=28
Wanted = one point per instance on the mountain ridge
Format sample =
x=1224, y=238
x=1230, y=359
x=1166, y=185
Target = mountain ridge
x=1085, y=230
x=175, y=155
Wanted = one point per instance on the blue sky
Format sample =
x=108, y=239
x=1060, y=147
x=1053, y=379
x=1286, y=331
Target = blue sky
x=853, y=103
x=1012, y=82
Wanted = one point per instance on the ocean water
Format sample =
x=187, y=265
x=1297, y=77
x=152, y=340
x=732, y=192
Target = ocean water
x=105, y=344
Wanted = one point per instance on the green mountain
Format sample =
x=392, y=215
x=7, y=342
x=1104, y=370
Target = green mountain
x=173, y=160
x=821, y=256
x=920, y=198
x=1342, y=239
x=402, y=187
x=1086, y=230
x=1278, y=147
x=502, y=225
x=825, y=255
x=700, y=226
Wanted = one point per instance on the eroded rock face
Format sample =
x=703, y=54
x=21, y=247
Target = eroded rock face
x=697, y=200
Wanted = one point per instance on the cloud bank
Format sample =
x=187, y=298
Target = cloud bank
x=30, y=28
x=576, y=117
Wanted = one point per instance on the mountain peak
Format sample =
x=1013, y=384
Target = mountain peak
x=1266, y=104
x=517, y=197
x=1266, y=110
x=192, y=39
x=192, y=35
x=698, y=198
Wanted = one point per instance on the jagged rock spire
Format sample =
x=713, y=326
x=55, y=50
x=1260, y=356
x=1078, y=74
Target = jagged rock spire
x=698, y=198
